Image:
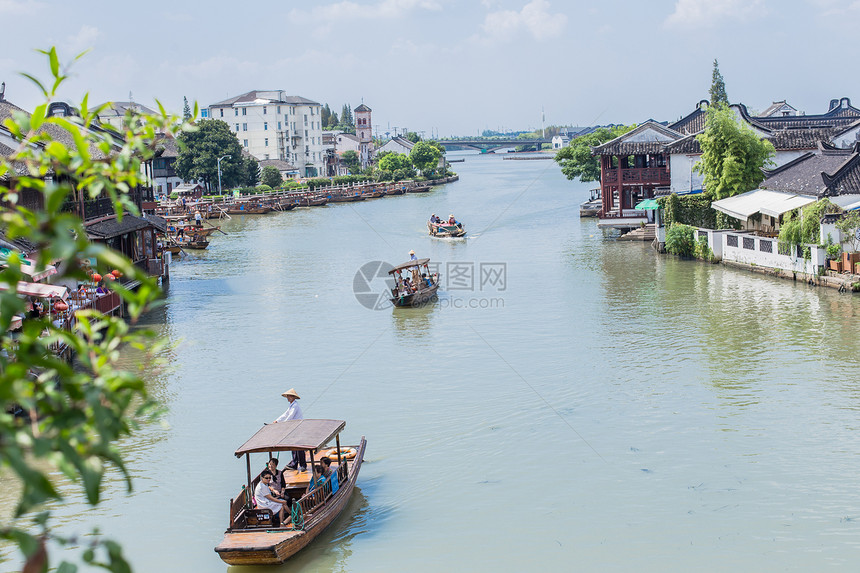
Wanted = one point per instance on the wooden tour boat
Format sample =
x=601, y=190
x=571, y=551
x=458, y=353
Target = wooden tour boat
x=443, y=230
x=422, y=284
x=395, y=191
x=593, y=206
x=418, y=189
x=345, y=198
x=253, y=536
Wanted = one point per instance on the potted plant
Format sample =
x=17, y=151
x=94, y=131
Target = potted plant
x=833, y=250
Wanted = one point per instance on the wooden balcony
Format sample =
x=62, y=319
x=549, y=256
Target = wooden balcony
x=638, y=176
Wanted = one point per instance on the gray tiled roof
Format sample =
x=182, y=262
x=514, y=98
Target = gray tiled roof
x=278, y=164
x=622, y=145
x=168, y=146
x=691, y=123
x=800, y=138
x=118, y=108
x=251, y=96
x=362, y=107
x=113, y=228
x=808, y=174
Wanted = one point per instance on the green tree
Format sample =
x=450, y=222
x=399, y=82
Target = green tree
x=412, y=136
x=346, y=116
x=718, y=87
x=186, y=110
x=425, y=157
x=351, y=160
x=576, y=160
x=325, y=116
x=199, y=150
x=395, y=166
x=69, y=417
x=251, y=171
x=272, y=177
x=733, y=156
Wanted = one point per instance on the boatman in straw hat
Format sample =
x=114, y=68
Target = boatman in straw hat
x=294, y=412
x=412, y=256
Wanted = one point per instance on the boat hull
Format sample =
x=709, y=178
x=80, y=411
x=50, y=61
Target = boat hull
x=443, y=231
x=416, y=298
x=271, y=547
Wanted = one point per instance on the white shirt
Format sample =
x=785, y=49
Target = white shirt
x=260, y=493
x=294, y=412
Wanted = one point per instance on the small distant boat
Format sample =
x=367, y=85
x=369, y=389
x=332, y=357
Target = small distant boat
x=312, y=201
x=253, y=537
x=443, y=230
x=286, y=205
x=395, y=191
x=592, y=207
x=416, y=289
x=418, y=189
x=246, y=209
x=345, y=198
x=373, y=194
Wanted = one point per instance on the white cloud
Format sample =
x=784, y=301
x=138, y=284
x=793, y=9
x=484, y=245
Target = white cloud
x=83, y=40
x=837, y=8
x=534, y=17
x=20, y=7
x=385, y=9
x=704, y=13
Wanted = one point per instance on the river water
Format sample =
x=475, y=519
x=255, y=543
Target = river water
x=569, y=402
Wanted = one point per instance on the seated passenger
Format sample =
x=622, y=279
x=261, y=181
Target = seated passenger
x=329, y=473
x=265, y=500
x=317, y=478
x=277, y=485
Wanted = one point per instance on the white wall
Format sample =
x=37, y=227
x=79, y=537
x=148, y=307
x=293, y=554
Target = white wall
x=847, y=139
x=683, y=176
x=764, y=252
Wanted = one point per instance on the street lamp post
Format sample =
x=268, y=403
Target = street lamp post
x=219, y=172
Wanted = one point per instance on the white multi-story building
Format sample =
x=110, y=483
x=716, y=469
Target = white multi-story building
x=272, y=125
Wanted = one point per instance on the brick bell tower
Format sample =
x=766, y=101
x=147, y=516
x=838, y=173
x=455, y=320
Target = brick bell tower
x=363, y=129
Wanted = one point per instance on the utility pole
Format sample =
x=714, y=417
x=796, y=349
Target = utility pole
x=219, y=172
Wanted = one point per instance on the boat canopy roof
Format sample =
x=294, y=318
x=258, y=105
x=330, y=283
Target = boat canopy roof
x=292, y=435
x=408, y=264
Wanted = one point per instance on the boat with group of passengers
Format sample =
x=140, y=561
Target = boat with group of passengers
x=414, y=284
x=253, y=536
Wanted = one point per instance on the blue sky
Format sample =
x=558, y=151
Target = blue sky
x=447, y=66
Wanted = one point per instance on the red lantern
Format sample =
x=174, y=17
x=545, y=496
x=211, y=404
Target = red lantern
x=110, y=277
x=60, y=306
x=116, y=274
x=96, y=277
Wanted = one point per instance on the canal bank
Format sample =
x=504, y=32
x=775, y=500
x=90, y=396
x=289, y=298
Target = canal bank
x=662, y=393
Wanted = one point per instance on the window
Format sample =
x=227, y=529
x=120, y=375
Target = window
x=236, y=110
x=306, y=134
x=237, y=127
x=244, y=111
x=264, y=110
x=266, y=142
x=244, y=127
x=279, y=110
x=279, y=126
x=306, y=120
x=265, y=125
x=245, y=142
x=222, y=112
x=312, y=111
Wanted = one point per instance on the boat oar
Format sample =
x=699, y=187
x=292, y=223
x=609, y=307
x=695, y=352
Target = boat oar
x=216, y=228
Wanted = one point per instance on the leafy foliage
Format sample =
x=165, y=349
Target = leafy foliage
x=272, y=177
x=689, y=209
x=849, y=224
x=733, y=156
x=199, y=150
x=351, y=160
x=56, y=417
x=718, y=87
x=425, y=157
x=803, y=226
x=576, y=160
x=680, y=241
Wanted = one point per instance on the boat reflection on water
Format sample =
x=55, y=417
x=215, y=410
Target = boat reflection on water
x=331, y=550
x=413, y=323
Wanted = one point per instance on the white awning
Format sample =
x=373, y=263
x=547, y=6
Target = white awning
x=764, y=201
x=40, y=290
